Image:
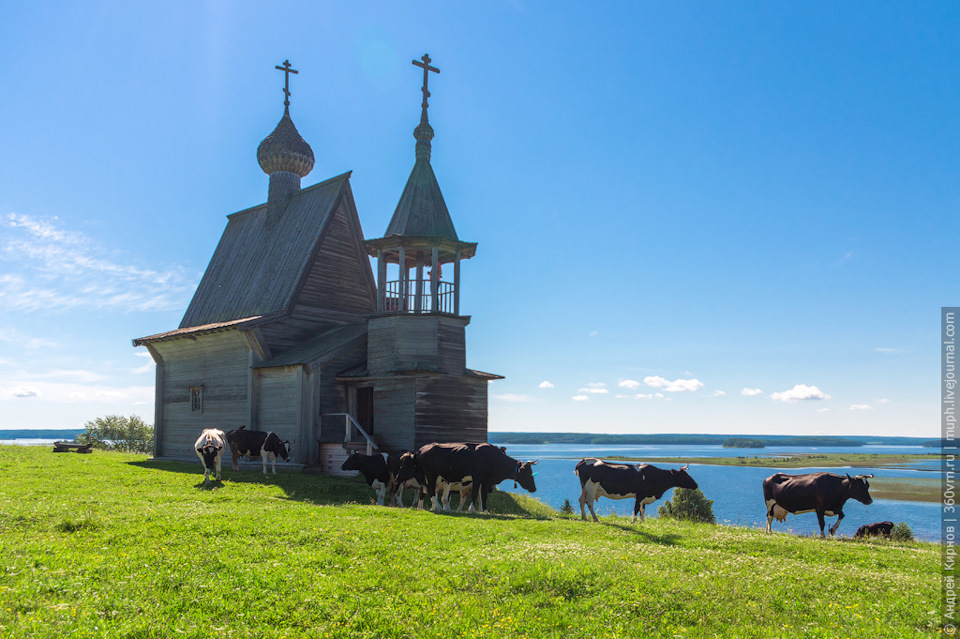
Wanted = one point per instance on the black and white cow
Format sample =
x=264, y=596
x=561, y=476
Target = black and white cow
x=644, y=483
x=418, y=481
x=257, y=443
x=414, y=481
x=879, y=529
x=210, y=447
x=375, y=471
x=484, y=464
x=823, y=493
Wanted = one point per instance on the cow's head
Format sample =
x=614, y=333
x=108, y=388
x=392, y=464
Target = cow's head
x=860, y=488
x=409, y=468
x=209, y=452
x=523, y=475
x=681, y=479
x=352, y=463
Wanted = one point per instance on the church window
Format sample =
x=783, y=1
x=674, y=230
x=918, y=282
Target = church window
x=196, y=399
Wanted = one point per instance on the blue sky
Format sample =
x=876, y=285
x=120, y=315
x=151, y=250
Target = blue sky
x=692, y=217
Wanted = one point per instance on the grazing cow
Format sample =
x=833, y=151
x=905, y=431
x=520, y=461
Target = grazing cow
x=257, y=443
x=879, y=529
x=644, y=483
x=824, y=493
x=210, y=450
x=485, y=464
x=374, y=469
x=414, y=481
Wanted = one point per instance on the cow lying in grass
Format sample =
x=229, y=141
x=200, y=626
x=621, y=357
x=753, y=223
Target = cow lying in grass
x=879, y=529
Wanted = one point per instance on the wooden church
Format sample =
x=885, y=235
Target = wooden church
x=289, y=331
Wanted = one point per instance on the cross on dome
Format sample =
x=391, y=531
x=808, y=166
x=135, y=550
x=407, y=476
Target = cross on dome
x=287, y=70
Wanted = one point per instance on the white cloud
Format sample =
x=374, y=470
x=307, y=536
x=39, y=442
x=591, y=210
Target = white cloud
x=717, y=393
x=13, y=336
x=70, y=393
x=861, y=407
x=884, y=349
x=883, y=401
x=629, y=383
x=642, y=396
x=675, y=386
x=580, y=398
x=596, y=384
x=593, y=390
x=823, y=410
x=593, y=333
x=517, y=398
x=800, y=392
x=751, y=392
x=545, y=384
x=51, y=269
x=146, y=368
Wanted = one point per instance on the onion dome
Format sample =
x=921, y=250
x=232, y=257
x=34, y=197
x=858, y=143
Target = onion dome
x=285, y=150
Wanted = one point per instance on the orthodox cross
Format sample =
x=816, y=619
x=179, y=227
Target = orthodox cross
x=425, y=65
x=286, y=82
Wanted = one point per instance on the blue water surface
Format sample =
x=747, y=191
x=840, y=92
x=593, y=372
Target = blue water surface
x=736, y=492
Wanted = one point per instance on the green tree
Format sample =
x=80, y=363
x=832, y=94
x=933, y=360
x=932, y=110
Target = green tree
x=901, y=532
x=688, y=504
x=115, y=432
x=567, y=508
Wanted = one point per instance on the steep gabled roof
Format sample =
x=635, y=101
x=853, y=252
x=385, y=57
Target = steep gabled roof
x=260, y=263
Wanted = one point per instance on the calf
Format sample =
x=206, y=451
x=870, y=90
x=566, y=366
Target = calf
x=375, y=471
x=823, y=493
x=210, y=447
x=644, y=483
x=257, y=443
x=879, y=529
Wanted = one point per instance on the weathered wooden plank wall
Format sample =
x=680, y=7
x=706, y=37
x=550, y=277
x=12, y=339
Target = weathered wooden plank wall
x=409, y=342
x=394, y=406
x=280, y=405
x=219, y=363
x=451, y=408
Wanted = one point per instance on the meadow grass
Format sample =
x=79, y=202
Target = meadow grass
x=114, y=545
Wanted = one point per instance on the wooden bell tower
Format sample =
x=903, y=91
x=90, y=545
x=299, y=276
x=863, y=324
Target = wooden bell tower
x=416, y=346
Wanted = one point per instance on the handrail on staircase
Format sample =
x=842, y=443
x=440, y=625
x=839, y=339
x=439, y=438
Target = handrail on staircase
x=350, y=422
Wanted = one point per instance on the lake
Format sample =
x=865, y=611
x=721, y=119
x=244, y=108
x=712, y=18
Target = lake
x=736, y=492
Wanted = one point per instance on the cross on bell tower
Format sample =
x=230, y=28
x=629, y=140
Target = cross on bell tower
x=425, y=65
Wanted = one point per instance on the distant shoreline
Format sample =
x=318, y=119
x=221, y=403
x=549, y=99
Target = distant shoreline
x=805, y=460
x=702, y=439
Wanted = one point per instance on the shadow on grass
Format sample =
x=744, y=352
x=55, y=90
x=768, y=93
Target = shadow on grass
x=668, y=539
x=323, y=490
x=316, y=489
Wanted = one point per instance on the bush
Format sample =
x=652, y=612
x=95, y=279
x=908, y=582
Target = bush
x=689, y=505
x=567, y=508
x=901, y=532
x=115, y=432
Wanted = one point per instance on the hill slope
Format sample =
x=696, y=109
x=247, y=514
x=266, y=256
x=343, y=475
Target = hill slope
x=116, y=545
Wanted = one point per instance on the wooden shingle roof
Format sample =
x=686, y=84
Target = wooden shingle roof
x=319, y=347
x=260, y=263
x=422, y=211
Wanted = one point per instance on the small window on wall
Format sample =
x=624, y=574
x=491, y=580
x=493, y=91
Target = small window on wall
x=196, y=399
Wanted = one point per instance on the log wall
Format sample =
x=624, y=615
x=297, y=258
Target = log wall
x=220, y=364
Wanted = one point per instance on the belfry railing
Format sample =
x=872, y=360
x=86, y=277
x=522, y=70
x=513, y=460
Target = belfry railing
x=416, y=296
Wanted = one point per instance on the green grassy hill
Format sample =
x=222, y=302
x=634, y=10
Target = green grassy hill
x=114, y=545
